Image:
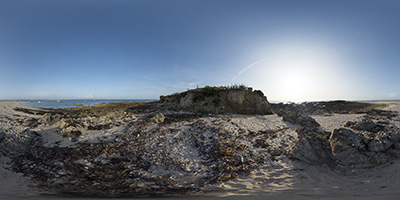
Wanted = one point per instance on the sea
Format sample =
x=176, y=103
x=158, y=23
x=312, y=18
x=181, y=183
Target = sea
x=58, y=104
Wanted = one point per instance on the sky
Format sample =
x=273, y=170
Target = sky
x=292, y=50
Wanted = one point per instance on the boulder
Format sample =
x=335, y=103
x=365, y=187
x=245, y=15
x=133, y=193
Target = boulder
x=346, y=146
x=347, y=137
x=343, y=146
x=23, y=141
x=380, y=143
x=366, y=125
x=304, y=121
x=313, y=147
x=358, y=149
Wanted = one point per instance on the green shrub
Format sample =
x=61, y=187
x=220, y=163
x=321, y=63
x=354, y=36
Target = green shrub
x=217, y=102
x=207, y=91
x=162, y=98
x=234, y=87
x=210, y=91
x=198, y=97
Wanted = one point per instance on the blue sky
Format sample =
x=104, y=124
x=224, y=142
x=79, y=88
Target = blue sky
x=292, y=50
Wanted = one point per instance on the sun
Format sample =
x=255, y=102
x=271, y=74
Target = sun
x=295, y=84
x=301, y=72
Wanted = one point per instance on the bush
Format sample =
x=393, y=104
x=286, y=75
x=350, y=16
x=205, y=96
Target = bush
x=205, y=92
x=234, y=87
x=216, y=102
x=162, y=98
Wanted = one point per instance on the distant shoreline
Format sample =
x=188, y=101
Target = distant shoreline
x=60, y=104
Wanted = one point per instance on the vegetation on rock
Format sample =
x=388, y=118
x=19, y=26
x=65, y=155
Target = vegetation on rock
x=236, y=99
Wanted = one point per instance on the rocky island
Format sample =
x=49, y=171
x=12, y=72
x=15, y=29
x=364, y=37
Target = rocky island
x=204, y=140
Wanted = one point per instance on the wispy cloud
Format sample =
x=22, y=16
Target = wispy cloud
x=249, y=67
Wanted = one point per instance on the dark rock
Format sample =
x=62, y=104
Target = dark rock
x=22, y=142
x=368, y=125
x=394, y=136
x=346, y=146
x=291, y=117
x=349, y=124
x=304, y=121
x=307, y=121
x=380, y=143
x=365, y=125
x=2, y=135
x=374, y=113
x=330, y=107
x=313, y=147
x=33, y=111
x=100, y=126
x=350, y=148
x=347, y=137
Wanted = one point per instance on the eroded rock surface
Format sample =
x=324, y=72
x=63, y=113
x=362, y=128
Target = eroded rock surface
x=221, y=100
x=369, y=142
x=147, y=149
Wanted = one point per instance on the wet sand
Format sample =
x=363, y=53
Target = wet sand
x=281, y=179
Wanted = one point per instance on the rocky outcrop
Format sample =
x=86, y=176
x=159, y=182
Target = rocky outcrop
x=221, y=100
x=330, y=107
x=159, y=150
x=313, y=147
x=358, y=144
x=20, y=142
x=365, y=143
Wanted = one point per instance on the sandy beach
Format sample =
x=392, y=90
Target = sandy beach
x=279, y=178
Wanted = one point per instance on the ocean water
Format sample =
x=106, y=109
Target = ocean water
x=57, y=104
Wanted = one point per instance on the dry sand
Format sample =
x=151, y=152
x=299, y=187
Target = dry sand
x=281, y=179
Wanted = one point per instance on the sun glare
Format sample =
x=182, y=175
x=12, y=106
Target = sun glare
x=302, y=71
x=295, y=84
